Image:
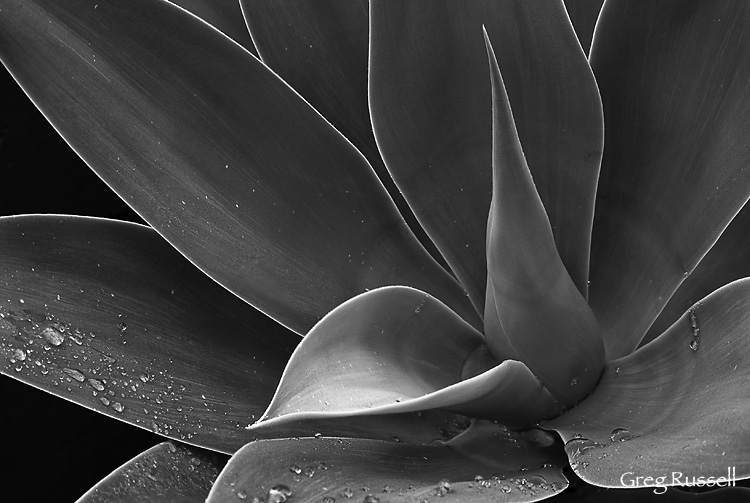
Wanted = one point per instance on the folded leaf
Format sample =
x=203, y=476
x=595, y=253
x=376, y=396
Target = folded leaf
x=673, y=81
x=218, y=154
x=678, y=404
x=583, y=14
x=503, y=467
x=396, y=350
x=108, y=315
x=532, y=303
x=166, y=473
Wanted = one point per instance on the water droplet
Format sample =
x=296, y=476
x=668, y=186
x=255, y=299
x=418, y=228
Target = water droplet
x=143, y=378
x=104, y=400
x=118, y=406
x=347, y=493
x=108, y=359
x=75, y=374
x=309, y=471
x=122, y=327
x=318, y=435
x=443, y=488
x=19, y=354
x=617, y=369
x=295, y=469
x=278, y=493
x=195, y=461
x=328, y=499
x=478, y=478
x=242, y=495
x=694, y=344
x=621, y=435
x=577, y=435
x=371, y=499
x=537, y=480
x=53, y=336
x=171, y=448
x=573, y=381
x=579, y=446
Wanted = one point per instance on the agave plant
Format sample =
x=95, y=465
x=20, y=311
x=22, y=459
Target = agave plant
x=512, y=264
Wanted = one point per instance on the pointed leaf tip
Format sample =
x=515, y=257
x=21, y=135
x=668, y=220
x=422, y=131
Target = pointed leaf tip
x=532, y=302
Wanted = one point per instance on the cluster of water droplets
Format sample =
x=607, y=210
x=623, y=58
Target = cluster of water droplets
x=696, y=341
x=582, y=451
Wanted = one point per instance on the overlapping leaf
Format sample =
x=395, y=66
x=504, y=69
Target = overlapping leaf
x=108, y=315
x=532, y=302
x=678, y=404
x=218, y=154
x=674, y=83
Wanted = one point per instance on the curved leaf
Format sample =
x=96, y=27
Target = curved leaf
x=727, y=260
x=678, y=404
x=108, y=315
x=320, y=49
x=166, y=473
x=430, y=102
x=532, y=302
x=674, y=83
x=225, y=15
x=218, y=154
x=396, y=350
x=500, y=466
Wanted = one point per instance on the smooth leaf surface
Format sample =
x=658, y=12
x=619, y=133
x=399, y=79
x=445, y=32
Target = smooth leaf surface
x=168, y=473
x=320, y=48
x=674, y=83
x=430, y=101
x=225, y=15
x=727, y=260
x=396, y=350
x=532, y=302
x=679, y=403
x=218, y=154
x=500, y=465
x=108, y=315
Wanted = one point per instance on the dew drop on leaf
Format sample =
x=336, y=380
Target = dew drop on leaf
x=328, y=499
x=573, y=381
x=443, y=488
x=75, y=374
x=371, y=499
x=295, y=469
x=347, y=493
x=104, y=400
x=53, y=336
x=620, y=435
x=617, y=369
x=96, y=384
x=278, y=493
x=694, y=344
x=19, y=354
x=579, y=446
x=242, y=495
x=118, y=406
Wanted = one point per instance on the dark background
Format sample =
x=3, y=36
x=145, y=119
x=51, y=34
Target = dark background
x=53, y=450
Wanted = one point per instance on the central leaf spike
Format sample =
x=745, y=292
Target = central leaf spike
x=534, y=312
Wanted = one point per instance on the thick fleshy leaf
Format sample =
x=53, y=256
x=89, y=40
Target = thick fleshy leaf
x=423, y=427
x=108, y=315
x=727, y=260
x=583, y=15
x=487, y=463
x=396, y=350
x=225, y=15
x=678, y=404
x=168, y=473
x=674, y=83
x=320, y=49
x=431, y=110
x=532, y=302
x=218, y=154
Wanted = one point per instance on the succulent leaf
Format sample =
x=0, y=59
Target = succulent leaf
x=167, y=473
x=502, y=467
x=396, y=350
x=532, y=302
x=108, y=315
x=674, y=84
x=218, y=154
x=679, y=403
